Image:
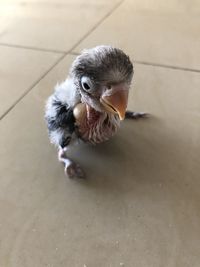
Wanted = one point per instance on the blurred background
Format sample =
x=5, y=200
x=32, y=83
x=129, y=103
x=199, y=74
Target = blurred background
x=140, y=203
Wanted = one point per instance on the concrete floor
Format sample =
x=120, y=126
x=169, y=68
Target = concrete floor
x=140, y=206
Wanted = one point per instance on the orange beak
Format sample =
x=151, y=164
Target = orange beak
x=116, y=102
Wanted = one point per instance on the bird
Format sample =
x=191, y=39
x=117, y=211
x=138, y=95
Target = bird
x=90, y=103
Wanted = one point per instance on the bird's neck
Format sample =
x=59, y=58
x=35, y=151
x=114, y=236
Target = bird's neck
x=92, y=114
x=94, y=126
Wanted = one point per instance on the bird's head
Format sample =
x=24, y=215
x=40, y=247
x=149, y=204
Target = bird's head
x=103, y=76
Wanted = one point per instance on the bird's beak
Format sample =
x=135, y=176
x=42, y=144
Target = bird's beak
x=116, y=102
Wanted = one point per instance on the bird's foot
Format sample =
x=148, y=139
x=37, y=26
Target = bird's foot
x=73, y=170
x=135, y=115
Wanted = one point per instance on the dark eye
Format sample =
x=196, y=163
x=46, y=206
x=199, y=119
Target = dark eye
x=86, y=86
x=86, y=83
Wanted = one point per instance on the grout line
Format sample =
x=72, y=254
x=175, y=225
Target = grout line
x=74, y=53
x=153, y=64
x=76, y=44
x=32, y=48
x=165, y=66
x=30, y=88
x=96, y=25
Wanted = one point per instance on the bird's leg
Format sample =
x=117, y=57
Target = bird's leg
x=72, y=169
x=135, y=115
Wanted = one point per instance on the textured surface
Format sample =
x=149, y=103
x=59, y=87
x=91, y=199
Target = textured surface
x=163, y=32
x=140, y=203
x=20, y=69
x=56, y=25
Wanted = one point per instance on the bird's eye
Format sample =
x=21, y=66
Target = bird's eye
x=86, y=83
x=86, y=86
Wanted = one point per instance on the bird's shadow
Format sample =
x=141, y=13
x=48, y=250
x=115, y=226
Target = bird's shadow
x=136, y=155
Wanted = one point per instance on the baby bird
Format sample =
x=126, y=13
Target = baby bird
x=90, y=103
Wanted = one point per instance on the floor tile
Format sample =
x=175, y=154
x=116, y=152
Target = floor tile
x=140, y=203
x=20, y=69
x=163, y=32
x=56, y=25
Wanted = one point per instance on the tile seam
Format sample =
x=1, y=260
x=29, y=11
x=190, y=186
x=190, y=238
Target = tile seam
x=30, y=88
x=148, y=63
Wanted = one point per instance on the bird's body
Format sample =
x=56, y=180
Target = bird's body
x=90, y=103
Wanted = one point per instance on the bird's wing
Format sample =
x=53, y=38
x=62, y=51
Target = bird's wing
x=59, y=113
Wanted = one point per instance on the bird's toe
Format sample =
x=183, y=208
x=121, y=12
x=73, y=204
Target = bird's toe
x=136, y=115
x=73, y=170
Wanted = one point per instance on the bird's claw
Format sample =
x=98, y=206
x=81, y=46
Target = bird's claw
x=135, y=115
x=61, y=154
x=73, y=170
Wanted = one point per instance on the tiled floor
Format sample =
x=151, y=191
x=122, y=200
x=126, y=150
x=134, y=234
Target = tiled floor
x=140, y=205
